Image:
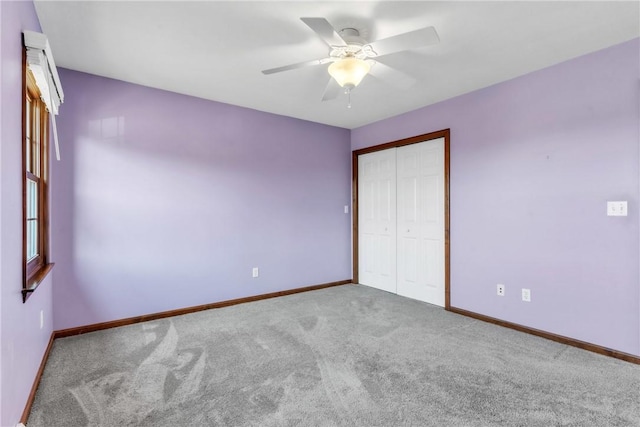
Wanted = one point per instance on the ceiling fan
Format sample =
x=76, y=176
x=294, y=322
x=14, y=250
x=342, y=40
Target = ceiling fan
x=351, y=57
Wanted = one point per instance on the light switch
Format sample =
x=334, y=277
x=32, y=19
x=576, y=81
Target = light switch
x=346, y=208
x=617, y=208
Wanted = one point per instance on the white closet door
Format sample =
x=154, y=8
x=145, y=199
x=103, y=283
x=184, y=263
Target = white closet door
x=377, y=219
x=420, y=235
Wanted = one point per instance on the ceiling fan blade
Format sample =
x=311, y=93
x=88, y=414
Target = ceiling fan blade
x=407, y=41
x=332, y=90
x=294, y=66
x=322, y=27
x=394, y=77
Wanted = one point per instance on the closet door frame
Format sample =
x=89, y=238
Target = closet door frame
x=394, y=144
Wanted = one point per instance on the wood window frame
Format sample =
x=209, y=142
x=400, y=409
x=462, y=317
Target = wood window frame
x=34, y=270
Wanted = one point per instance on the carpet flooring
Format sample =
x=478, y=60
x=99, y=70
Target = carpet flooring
x=342, y=356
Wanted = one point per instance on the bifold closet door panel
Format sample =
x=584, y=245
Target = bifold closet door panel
x=377, y=219
x=420, y=221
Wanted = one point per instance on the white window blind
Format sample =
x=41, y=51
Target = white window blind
x=40, y=62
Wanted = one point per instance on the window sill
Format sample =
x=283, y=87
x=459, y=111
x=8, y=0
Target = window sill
x=34, y=281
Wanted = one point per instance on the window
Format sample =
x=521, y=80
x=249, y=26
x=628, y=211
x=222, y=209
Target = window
x=35, y=205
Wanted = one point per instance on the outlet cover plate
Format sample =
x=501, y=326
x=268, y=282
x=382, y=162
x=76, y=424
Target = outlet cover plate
x=617, y=208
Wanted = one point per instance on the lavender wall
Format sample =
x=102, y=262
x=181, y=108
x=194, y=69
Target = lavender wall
x=23, y=342
x=165, y=201
x=1, y=119
x=533, y=162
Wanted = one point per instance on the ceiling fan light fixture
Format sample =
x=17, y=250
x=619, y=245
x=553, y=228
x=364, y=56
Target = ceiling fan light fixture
x=349, y=72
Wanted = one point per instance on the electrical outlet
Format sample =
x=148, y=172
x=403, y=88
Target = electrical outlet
x=617, y=208
x=41, y=319
x=255, y=272
x=500, y=290
x=526, y=295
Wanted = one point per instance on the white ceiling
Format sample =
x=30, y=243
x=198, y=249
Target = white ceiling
x=216, y=50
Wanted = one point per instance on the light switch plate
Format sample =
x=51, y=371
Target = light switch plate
x=617, y=208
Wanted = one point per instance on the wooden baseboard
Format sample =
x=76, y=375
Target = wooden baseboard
x=550, y=336
x=154, y=316
x=36, y=381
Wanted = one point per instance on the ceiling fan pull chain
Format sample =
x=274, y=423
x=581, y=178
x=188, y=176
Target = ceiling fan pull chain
x=349, y=95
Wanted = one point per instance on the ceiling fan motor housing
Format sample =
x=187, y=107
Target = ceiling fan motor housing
x=354, y=48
